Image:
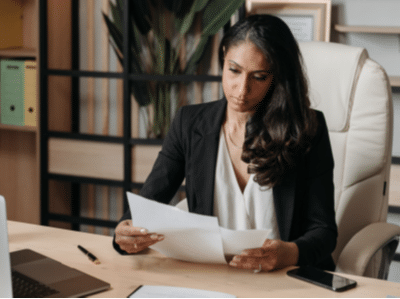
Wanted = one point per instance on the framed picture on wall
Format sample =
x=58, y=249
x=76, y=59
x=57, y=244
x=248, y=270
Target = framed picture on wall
x=309, y=20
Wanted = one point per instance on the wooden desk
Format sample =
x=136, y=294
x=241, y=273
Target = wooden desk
x=126, y=273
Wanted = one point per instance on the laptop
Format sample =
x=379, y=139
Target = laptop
x=25, y=270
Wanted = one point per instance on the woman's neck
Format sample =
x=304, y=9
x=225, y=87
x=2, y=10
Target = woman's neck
x=237, y=120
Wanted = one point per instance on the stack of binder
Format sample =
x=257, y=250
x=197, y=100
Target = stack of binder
x=18, y=92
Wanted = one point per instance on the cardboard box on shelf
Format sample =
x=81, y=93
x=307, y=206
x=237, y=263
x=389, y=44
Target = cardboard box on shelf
x=11, y=22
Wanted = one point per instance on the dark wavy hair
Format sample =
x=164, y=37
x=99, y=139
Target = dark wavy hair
x=282, y=127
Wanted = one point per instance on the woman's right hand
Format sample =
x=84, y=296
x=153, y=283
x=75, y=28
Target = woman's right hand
x=134, y=239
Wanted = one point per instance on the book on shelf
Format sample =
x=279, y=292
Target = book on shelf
x=30, y=93
x=18, y=92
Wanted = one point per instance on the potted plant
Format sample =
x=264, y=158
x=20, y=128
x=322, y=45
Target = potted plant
x=159, y=32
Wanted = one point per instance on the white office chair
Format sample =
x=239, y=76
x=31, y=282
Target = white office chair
x=354, y=94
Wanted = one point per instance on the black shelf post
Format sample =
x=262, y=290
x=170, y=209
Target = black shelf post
x=43, y=83
x=75, y=90
x=127, y=102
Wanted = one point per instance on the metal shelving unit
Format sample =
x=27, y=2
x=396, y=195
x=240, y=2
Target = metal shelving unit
x=126, y=140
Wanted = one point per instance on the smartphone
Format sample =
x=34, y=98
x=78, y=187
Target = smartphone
x=322, y=278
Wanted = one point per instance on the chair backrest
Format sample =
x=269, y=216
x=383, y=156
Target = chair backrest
x=354, y=94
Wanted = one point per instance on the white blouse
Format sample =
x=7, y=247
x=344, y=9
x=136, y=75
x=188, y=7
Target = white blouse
x=252, y=209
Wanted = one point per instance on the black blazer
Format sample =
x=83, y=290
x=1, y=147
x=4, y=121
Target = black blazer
x=304, y=201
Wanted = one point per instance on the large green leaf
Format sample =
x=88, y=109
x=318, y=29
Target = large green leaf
x=118, y=42
x=115, y=34
x=183, y=25
x=136, y=41
x=162, y=47
x=137, y=66
x=116, y=13
x=217, y=14
x=187, y=21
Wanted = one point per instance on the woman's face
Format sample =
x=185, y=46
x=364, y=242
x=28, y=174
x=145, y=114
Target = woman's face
x=246, y=77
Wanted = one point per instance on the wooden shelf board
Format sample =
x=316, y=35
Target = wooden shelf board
x=18, y=128
x=394, y=81
x=18, y=52
x=368, y=29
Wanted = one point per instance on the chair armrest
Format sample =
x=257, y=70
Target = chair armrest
x=358, y=252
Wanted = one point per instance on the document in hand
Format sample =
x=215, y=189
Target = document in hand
x=189, y=236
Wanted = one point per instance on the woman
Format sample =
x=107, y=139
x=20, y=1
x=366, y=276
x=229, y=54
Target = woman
x=260, y=158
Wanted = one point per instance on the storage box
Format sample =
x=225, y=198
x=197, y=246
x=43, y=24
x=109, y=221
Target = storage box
x=10, y=24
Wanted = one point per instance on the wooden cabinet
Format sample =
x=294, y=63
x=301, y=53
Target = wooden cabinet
x=19, y=145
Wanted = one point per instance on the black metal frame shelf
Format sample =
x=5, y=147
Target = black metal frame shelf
x=135, y=77
x=126, y=140
x=79, y=220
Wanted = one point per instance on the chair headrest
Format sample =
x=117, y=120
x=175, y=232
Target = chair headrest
x=333, y=70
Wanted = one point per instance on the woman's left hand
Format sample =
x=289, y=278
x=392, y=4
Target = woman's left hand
x=274, y=254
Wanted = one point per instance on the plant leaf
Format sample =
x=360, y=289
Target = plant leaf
x=140, y=91
x=118, y=54
x=117, y=37
x=185, y=7
x=140, y=13
x=199, y=5
x=187, y=21
x=135, y=39
x=197, y=55
x=116, y=13
x=114, y=33
x=218, y=13
x=120, y=5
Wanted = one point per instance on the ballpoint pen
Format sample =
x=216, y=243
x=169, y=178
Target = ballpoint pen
x=90, y=255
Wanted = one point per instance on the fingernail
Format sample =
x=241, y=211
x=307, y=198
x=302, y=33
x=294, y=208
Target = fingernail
x=143, y=231
x=233, y=264
x=160, y=237
x=236, y=258
x=154, y=237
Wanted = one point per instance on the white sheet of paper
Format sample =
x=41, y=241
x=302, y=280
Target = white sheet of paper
x=235, y=241
x=192, y=245
x=189, y=236
x=150, y=291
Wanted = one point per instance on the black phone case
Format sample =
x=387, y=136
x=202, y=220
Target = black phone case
x=320, y=277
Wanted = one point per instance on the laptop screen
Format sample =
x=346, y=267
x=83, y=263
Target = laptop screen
x=5, y=268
